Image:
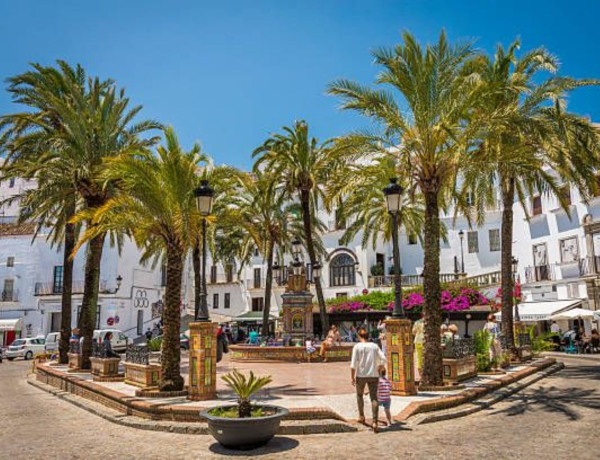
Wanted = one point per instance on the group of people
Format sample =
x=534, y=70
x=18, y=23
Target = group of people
x=577, y=337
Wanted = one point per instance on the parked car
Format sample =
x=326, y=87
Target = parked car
x=25, y=348
x=52, y=340
x=119, y=340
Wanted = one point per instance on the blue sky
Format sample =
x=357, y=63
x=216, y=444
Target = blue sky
x=229, y=73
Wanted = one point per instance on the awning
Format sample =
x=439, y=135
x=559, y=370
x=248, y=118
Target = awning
x=252, y=316
x=575, y=313
x=542, y=311
x=11, y=324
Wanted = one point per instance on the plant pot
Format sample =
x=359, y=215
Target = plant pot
x=244, y=433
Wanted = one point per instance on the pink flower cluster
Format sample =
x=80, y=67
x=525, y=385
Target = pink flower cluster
x=467, y=298
x=349, y=307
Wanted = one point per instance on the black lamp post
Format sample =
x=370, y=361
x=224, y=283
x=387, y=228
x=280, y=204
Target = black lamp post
x=515, y=266
x=393, y=193
x=119, y=282
x=277, y=272
x=461, y=235
x=204, y=198
x=316, y=270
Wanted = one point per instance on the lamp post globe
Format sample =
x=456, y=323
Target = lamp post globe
x=392, y=193
x=297, y=267
x=276, y=270
x=316, y=270
x=204, y=198
x=296, y=247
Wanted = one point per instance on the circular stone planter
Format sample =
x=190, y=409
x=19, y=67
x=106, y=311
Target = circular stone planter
x=245, y=433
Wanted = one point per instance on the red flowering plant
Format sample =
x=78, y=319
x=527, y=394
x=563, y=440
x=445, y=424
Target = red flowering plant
x=517, y=297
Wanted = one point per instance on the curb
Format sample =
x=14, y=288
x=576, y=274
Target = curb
x=583, y=357
x=488, y=401
x=291, y=427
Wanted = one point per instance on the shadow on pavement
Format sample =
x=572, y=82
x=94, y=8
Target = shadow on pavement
x=274, y=446
x=552, y=399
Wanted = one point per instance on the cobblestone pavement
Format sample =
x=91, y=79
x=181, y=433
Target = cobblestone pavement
x=558, y=417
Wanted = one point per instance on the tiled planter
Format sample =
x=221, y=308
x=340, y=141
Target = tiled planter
x=457, y=370
x=142, y=375
x=74, y=361
x=105, y=367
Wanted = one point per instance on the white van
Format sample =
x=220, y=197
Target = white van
x=52, y=340
x=119, y=340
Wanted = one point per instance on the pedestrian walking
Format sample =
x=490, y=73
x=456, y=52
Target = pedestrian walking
x=384, y=394
x=364, y=371
x=495, y=350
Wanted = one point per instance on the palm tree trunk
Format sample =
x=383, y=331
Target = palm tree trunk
x=507, y=286
x=67, y=288
x=306, y=220
x=432, y=355
x=268, y=289
x=171, y=379
x=89, y=303
x=197, y=277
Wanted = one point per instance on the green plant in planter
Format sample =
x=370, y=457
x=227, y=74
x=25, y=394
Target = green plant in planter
x=155, y=344
x=377, y=270
x=244, y=387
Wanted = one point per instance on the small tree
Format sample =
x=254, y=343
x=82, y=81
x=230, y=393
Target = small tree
x=244, y=387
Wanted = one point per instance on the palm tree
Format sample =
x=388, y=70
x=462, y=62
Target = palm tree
x=526, y=135
x=360, y=190
x=157, y=209
x=31, y=153
x=429, y=136
x=261, y=212
x=302, y=165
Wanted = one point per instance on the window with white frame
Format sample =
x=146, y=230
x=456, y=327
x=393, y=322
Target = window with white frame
x=494, y=235
x=569, y=250
x=473, y=241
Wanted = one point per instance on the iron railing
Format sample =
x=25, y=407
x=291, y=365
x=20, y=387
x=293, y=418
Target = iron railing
x=460, y=348
x=137, y=354
x=98, y=350
x=9, y=296
x=42, y=289
x=75, y=347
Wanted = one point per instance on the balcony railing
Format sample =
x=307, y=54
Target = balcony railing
x=589, y=266
x=410, y=280
x=42, y=289
x=9, y=296
x=222, y=278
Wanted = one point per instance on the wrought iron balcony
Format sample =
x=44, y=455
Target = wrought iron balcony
x=42, y=289
x=9, y=296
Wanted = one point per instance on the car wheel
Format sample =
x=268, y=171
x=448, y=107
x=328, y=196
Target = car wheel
x=28, y=355
x=10, y=359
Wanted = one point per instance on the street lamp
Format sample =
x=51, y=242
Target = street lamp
x=277, y=272
x=393, y=193
x=119, y=282
x=296, y=247
x=316, y=270
x=204, y=198
x=461, y=235
x=515, y=265
x=297, y=266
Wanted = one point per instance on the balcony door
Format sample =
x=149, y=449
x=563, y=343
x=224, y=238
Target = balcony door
x=540, y=261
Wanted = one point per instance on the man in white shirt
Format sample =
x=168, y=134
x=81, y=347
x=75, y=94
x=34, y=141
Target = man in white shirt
x=555, y=328
x=366, y=359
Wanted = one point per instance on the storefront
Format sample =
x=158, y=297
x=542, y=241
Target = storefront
x=10, y=330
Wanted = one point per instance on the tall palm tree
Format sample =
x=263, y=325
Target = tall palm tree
x=79, y=125
x=430, y=136
x=157, y=209
x=527, y=137
x=260, y=210
x=28, y=139
x=302, y=165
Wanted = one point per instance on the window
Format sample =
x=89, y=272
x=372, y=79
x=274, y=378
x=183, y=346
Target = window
x=11, y=182
x=341, y=295
x=341, y=271
x=256, y=278
x=473, y=241
x=10, y=262
x=412, y=238
x=536, y=205
x=564, y=195
x=215, y=301
x=57, y=284
x=229, y=272
x=8, y=291
x=494, y=239
x=573, y=290
x=227, y=301
x=258, y=304
x=213, y=274
x=569, y=250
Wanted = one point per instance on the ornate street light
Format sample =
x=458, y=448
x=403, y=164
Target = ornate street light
x=119, y=282
x=393, y=193
x=461, y=235
x=515, y=265
x=297, y=266
x=276, y=271
x=204, y=199
x=296, y=247
x=316, y=270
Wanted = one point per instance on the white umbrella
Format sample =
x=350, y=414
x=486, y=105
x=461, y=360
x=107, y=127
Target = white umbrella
x=575, y=313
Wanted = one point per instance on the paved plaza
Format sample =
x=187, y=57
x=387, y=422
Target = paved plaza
x=557, y=417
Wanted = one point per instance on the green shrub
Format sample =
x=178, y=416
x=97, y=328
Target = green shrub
x=155, y=344
x=483, y=362
x=377, y=270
